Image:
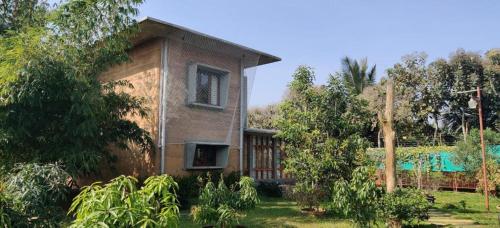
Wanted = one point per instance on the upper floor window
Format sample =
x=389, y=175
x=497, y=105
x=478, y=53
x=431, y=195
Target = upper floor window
x=207, y=86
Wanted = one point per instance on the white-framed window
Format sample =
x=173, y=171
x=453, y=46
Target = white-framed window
x=208, y=86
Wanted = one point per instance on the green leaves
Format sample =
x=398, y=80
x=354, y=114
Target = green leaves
x=35, y=192
x=356, y=199
x=320, y=126
x=405, y=204
x=219, y=205
x=119, y=203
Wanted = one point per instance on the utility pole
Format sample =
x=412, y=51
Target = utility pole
x=483, y=149
x=476, y=103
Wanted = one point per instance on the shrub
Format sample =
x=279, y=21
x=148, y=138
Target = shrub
x=189, y=189
x=34, y=193
x=191, y=185
x=307, y=196
x=120, y=204
x=356, y=199
x=247, y=194
x=219, y=205
x=269, y=189
x=405, y=205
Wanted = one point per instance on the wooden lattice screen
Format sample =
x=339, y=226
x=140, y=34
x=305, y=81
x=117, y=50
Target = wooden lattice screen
x=263, y=156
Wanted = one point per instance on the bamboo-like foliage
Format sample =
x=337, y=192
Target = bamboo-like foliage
x=120, y=204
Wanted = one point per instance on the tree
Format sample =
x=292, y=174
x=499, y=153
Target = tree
x=264, y=118
x=52, y=106
x=468, y=151
x=357, y=75
x=467, y=73
x=320, y=128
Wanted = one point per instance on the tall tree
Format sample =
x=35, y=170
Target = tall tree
x=52, y=106
x=357, y=75
x=320, y=127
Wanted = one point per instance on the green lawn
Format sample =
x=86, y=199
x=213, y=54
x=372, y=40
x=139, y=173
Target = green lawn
x=475, y=208
x=273, y=212
x=283, y=213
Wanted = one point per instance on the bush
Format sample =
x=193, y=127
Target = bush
x=247, y=193
x=34, y=193
x=190, y=186
x=189, y=189
x=308, y=196
x=269, y=189
x=356, y=199
x=120, y=204
x=405, y=205
x=218, y=205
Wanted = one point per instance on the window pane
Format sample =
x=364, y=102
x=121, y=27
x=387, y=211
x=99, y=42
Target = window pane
x=214, y=90
x=205, y=155
x=202, y=87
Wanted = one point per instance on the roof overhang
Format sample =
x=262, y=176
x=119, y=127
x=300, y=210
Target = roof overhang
x=150, y=28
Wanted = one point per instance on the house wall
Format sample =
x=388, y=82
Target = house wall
x=143, y=71
x=183, y=122
x=189, y=123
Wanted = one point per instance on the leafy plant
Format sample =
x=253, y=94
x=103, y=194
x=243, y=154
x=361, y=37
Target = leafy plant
x=247, y=193
x=357, y=198
x=308, y=196
x=405, y=204
x=119, y=203
x=219, y=205
x=35, y=192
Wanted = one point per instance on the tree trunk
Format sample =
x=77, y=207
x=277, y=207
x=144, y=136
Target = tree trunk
x=378, y=137
x=435, y=129
x=464, y=132
x=389, y=136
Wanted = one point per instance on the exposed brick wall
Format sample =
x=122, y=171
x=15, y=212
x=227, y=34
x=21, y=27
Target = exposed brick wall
x=186, y=123
x=143, y=71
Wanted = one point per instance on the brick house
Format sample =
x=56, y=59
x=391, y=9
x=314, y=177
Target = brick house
x=195, y=88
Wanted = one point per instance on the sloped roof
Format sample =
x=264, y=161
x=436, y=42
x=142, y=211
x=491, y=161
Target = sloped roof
x=153, y=28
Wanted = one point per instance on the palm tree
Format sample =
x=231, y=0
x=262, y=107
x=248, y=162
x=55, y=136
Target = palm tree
x=356, y=75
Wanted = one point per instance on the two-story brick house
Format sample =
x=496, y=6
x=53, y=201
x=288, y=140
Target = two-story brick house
x=195, y=87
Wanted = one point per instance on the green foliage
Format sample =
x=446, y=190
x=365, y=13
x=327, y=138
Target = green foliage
x=53, y=107
x=190, y=186
x=308, y=196
x=248, y=197
x=358, y=198
x=320, y=128
x=356, y=75
x=120, y=204
x=468, y=152
x=219, y=204
x=263, y=118
x=404, y=204
x=34, y=193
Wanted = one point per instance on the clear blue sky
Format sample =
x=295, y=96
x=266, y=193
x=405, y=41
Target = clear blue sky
x=320, y=33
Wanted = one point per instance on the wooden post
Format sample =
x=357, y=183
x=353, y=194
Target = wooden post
x=389, y=135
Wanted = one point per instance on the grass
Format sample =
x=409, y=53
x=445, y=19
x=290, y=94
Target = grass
x=475, y=209
x=273, y=212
